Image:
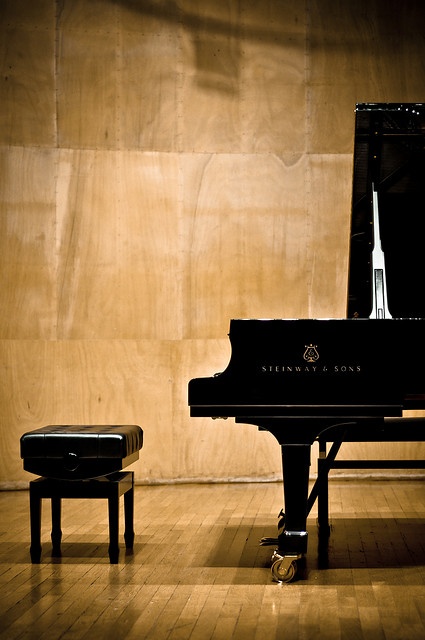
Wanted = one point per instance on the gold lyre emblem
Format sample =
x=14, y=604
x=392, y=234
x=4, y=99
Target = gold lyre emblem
x=311, y=354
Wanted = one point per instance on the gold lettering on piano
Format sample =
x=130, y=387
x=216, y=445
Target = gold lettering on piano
x=314, y=369
x=310, y=366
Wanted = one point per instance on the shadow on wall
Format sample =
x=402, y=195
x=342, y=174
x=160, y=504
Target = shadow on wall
x=218, y=33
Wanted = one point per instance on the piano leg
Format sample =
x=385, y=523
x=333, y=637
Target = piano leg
x=292, y=534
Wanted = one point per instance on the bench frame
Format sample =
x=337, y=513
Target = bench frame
x=111, y=487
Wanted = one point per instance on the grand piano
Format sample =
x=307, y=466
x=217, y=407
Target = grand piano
x=350, y=379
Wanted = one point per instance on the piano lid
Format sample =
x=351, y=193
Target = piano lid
x=389, y=156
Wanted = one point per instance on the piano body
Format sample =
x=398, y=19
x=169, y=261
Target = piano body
x=350, y=379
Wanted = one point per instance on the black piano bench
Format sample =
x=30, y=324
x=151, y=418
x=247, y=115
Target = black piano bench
x=81, y=461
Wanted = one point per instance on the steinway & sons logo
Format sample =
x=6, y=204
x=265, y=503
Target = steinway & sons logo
x=311, y=354
x=311, y=357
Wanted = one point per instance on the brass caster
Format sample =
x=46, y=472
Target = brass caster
x=284, y=568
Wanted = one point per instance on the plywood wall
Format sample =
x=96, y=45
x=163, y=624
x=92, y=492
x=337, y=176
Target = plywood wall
x=165, y=167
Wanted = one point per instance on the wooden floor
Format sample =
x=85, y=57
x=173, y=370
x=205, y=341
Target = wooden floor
x=198, y=572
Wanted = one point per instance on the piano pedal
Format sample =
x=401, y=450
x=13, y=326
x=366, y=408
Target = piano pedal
x=284, y=568
x=268, y=542
x=281, y=522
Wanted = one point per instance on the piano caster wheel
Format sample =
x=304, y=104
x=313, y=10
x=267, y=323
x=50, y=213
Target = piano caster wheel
x=284, y=568
x=281, y=573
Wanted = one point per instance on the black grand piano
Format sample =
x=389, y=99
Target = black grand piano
x=336, y=380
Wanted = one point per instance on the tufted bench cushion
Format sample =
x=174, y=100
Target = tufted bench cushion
x=68, y=452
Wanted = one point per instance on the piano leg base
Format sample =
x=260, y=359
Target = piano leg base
x=292, y=542
x=284, y=568
x=324, y=531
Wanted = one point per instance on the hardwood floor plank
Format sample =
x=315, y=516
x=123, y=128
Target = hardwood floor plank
x=197, y=571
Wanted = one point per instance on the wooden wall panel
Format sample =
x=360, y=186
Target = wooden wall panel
x=210, y=99
x=149, y=301
x=28, y=14
x=27, y=237
x=149, y=110
x=204, y=448
x=328, y=238
x=87, y=382
x=127, y=382
x=82, y=16
x=87, y=236
x=243, y=81
x=360, y=52
x=87, y=89
x=245, y=238
x=164, y=168
x=118, y=75
x=27, y=87
x=118, y=233
x=273, y=89
x=27, y=388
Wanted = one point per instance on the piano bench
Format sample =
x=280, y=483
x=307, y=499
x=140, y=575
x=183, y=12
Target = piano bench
x=80, y=452
x=110, y=487
x=81, y=461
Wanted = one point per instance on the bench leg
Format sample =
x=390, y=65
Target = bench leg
x=35, y=518
x=56, y=534
x=129, y=518
x=113, y=511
